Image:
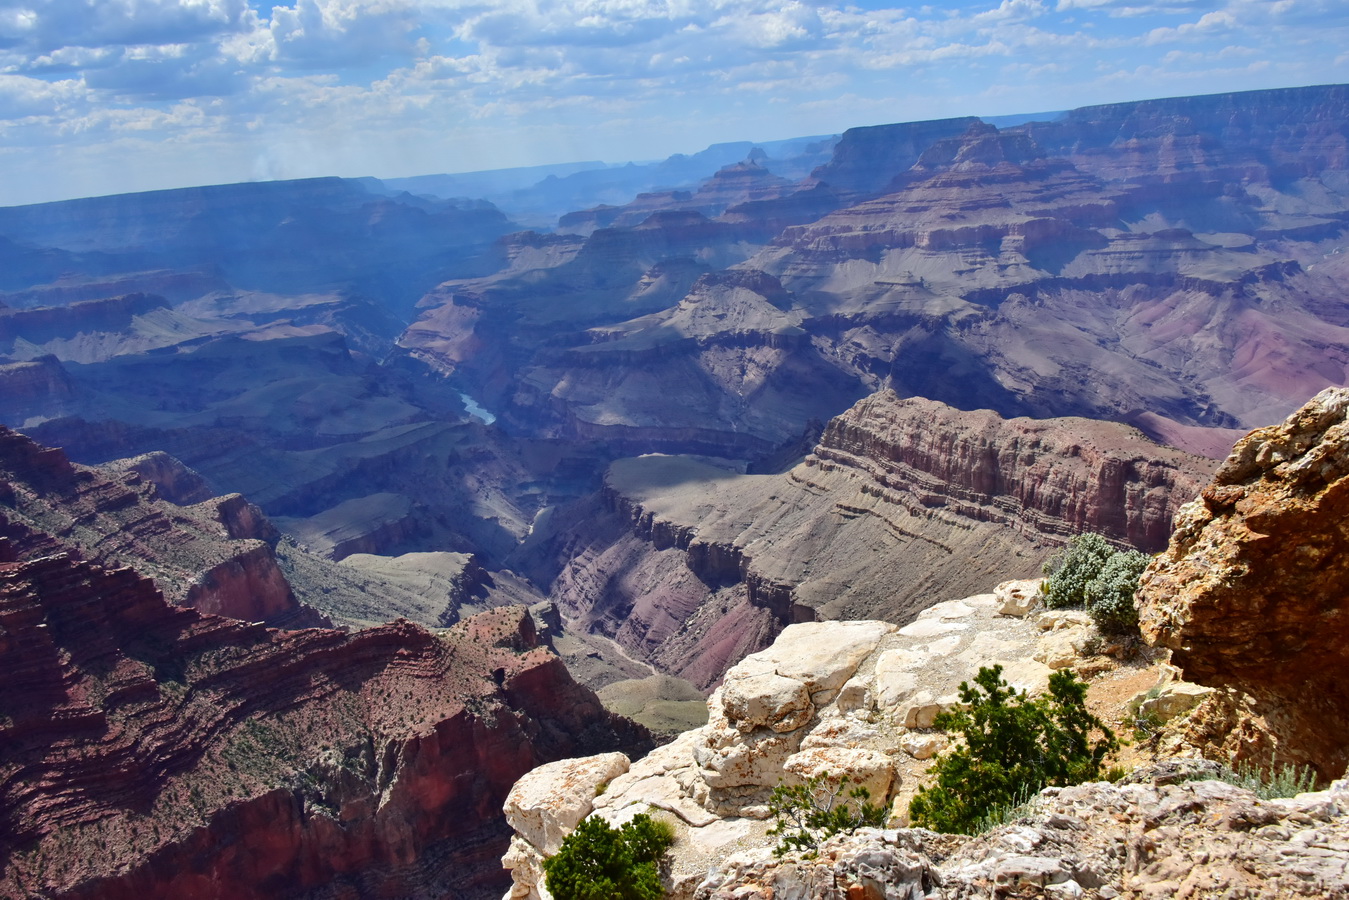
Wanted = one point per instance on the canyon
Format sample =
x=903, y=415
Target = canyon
x=1242, y=671
x=282, y=464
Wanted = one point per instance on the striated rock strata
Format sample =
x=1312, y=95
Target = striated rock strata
x=148, y=751
x=1251, y=593
x=691, y=564
x=215, y=554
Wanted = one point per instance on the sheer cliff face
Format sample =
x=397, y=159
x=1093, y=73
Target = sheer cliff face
x=152, y=751
x=904, y=502
x=1251, y=593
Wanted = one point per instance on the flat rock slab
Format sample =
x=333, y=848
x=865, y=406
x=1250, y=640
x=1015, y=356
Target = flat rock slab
x=820, y=655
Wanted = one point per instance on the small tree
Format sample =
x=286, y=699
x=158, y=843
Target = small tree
x=1109, y=596
x=1071, y=571
x=1013, y=746
x=809, y=813
x=599, y=862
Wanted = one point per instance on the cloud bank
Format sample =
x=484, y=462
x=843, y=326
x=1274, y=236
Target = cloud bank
x=101, y=96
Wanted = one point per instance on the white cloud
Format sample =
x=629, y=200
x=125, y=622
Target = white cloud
x=296, y=83
x=22, y=97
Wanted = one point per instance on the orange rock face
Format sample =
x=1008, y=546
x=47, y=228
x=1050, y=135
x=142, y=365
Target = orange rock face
x=1253, y=591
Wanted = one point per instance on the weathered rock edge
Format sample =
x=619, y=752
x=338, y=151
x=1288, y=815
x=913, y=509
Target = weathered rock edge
x=149, y=751
x=1253, y=591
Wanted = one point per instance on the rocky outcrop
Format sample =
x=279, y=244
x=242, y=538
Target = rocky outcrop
x=1250, y=594
x=216, y=554
x=150, y=751
x=859, y=699
x=1203, y=840
x=173, y=481
x=827, y=699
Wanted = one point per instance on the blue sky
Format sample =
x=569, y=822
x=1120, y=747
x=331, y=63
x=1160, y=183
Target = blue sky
x=106, y=96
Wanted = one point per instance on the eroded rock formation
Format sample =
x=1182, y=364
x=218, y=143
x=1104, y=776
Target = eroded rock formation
x=851, y=698
x=1204, y=840
x=1251, y=593
x=215, y=555
x=148, y=751
x=904, y=501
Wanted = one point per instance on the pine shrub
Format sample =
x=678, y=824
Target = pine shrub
x=808, y=814
x=600, y=862
x=1013, y=746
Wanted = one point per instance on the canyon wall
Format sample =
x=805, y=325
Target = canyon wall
x=152, y=751
x=690, y=563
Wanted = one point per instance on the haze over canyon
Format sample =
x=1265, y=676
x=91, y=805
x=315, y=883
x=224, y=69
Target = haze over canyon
x=281, y=462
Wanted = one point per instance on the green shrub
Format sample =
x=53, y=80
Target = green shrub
x=1072, y=570
x=807, y=814
x=1013, y=746
x=1272, y=783
x=1110, y=595
x=599, y=862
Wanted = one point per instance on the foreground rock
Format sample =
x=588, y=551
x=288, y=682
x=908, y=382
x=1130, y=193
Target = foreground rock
x=1201, y=840
x=1253, y=592
x=149, y=751
x=844, y=698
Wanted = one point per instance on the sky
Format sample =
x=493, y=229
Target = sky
x=110, y=96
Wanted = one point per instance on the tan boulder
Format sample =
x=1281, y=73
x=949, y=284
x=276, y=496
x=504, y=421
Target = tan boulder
x=546, y=803
x=921, y=709
x=1065, y=647
x=869, y=769
x=1171, y=701
x=820, y=655
x=765, y=699
x=923, y=746
x=728, y=758
x=1018, y=598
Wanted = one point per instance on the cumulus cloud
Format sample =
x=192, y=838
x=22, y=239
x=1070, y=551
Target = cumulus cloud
x=340, y=75
x=44, y=26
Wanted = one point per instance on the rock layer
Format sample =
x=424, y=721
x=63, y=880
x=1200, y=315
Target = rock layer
x=215, y=554
x=904, y=502
x=1251, y=592
x=150, y=751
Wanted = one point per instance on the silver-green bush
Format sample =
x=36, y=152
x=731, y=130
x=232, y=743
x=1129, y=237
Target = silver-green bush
x=1072, y=570
x=1109, y=596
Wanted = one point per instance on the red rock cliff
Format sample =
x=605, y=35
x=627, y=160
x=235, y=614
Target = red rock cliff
x=148, y=751
x=1059, y=476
